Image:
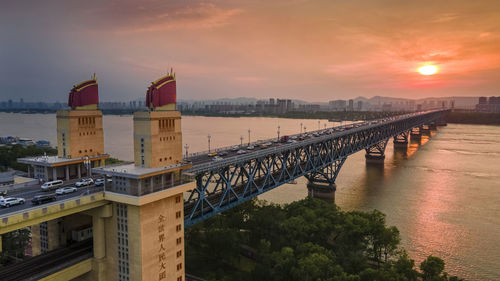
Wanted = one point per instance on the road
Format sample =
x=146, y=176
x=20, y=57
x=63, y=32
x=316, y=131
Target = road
x=30, y=192
x=203, y=157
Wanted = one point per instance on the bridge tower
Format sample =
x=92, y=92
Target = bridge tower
x=322, y=182
x=144, y=239
x=376, y=153
x=80, y=138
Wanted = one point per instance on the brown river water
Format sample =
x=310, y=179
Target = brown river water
x=443, y=194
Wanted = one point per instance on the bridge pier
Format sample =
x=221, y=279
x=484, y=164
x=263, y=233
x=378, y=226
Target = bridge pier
x=322, y=191
x=376, y=154
x=401, y=141
x=322, y=182
x=416, y=133
x=433, y=126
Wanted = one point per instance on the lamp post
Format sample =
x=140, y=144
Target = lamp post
x=305, y=130
x=248, y=137
x=301, y=128
x=278, y=133
x=318, y=124
x=186, y=146
x=241, y=141
x=325, y=126
x=209, y=137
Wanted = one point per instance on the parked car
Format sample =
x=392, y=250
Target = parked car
x=51, y=185
x=64, y=190
x=40, y=199
x=84, y=182
x=11, y=201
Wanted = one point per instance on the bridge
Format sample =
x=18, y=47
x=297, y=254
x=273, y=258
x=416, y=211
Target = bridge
x=220, y=183
x=317, y=155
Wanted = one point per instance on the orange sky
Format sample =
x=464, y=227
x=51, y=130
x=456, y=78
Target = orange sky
x=310, y=50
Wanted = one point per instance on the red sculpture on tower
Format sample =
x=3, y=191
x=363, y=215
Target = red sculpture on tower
x=162, y=93
x=84, y=95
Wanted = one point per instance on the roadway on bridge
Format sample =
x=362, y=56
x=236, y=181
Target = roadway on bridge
x=262, y=145
x=28, y=194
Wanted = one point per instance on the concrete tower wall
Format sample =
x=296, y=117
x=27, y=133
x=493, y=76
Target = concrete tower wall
x=157, y=138
x=79, y=133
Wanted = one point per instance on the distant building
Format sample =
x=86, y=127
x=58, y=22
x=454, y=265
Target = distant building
x=491, y=105
x=337, y=105
x=360, y=105
x=351, y=105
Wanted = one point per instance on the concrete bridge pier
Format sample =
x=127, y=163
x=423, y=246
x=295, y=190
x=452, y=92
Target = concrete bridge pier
x=416, y=133
x=321, y=190
x=433, y=126
x=401, y=141
x=322, y=182
x=376, y=154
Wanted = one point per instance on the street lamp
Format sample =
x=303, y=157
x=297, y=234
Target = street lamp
x=318, y=124
x=209, y=137
x=186, y=146
x=305, y=129
x=248, y=137
x=278, y=133
x=325, y=126
x=241, y=141
x=300, y=128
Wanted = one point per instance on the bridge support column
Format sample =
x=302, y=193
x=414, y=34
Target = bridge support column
x=376, y=153
x=433, y=126
x=99, y=240
x=416, y=133
x=401, y=141
x=322, y=191
x=322, y=182
x=35, y=240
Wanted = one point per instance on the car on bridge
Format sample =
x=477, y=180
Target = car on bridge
x=222, y=153
x=65, y=190
x=11, y=201
x=84, y=182
x=241, y=151
x=40, y=199
x=235, y=148
x=212, y=154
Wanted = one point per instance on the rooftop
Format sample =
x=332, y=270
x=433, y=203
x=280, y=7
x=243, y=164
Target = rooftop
x=130, y=170
x=50, y=161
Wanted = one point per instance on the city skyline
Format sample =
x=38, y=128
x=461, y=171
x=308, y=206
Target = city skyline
x=316, y=51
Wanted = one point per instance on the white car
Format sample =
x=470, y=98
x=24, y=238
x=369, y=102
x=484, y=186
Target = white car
x=241, y=151
x=235, y=148
x=217, y=158
x=84, y=182
x=64, y=190
x=250, y=147
x=99, y=182
x=11, y=201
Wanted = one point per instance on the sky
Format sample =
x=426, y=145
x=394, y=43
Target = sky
x=308, y=50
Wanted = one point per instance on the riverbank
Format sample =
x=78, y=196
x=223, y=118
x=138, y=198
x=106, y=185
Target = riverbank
x=330, y=115
x=476, y=118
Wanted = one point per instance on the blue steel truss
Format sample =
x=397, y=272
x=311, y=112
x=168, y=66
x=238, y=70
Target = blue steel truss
x=224, y=184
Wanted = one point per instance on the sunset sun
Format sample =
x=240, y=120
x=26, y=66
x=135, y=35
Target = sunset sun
x=428, y=69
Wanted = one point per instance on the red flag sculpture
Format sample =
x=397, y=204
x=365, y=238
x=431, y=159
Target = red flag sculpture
x=84, y=95
x=162, y=92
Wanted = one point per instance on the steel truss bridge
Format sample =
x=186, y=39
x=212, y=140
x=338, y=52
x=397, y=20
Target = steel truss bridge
x=221, y=185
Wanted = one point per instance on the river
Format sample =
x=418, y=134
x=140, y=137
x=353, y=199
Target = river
x=443, y=194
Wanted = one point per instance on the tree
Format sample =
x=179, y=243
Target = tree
x=432, y=267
